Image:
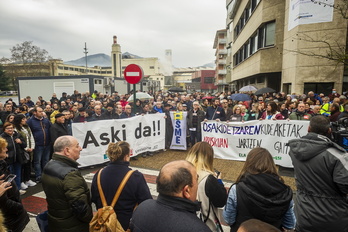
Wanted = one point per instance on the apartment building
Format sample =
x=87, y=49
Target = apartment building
x=266, y=45
x=220, y=61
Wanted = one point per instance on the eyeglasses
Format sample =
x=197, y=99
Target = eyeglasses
x=9, y=128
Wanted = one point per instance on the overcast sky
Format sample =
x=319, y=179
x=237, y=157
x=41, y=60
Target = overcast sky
x=143, y=27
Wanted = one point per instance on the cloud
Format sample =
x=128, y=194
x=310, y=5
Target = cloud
x=145, y=28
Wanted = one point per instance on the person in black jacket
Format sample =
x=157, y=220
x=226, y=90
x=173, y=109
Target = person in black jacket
x=176, y=205
x=15, y=146
x=321, y=171
x=135, y=191
x=58, y=128
x=194, y=118
x=260, y=193
x=10, y=202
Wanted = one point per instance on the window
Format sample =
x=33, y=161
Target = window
x=245, y=16
x=208, y=80
x=261, y=37
x=152, y=67
x=246, y=50
x=270, y=34
x=260, y=79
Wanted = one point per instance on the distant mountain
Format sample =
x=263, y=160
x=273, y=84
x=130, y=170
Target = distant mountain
x=209, y=65
x=104, y=60
x=128, y=55
x=100, y=59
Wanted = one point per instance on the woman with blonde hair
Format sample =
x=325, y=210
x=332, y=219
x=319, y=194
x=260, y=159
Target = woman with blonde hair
x=260, y=193
x=135, y=191
x=211, y=190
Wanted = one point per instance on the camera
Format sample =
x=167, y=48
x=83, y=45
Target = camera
x=340, y=132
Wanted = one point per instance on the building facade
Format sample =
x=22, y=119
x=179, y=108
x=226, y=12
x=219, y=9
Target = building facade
x=264, y=49
x=203, y=81
x=220, y=61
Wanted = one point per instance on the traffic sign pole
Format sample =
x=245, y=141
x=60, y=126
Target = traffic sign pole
x=134, y=97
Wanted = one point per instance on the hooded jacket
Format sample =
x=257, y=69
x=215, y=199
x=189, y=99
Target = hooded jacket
x=264, y=197
x=321, y=173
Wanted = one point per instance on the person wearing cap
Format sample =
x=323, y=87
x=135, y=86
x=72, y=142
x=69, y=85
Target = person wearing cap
x=59, y=128
x=110, y=112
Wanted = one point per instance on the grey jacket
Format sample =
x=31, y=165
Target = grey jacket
x=321, y=173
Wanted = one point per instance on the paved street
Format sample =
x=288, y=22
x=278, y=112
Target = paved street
x=34, y=199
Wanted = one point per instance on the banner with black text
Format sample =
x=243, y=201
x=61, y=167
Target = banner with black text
x=234, y=140
x=143, y=133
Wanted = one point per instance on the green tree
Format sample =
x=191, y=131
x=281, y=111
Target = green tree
x=4, y=80
x=26, y=60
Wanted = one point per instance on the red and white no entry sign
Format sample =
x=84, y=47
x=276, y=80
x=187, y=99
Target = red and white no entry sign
x=133, y=74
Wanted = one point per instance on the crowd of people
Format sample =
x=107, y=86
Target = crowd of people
x=38, y=136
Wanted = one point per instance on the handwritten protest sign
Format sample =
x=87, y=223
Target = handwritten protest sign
x=233, y=141
x=143, y=133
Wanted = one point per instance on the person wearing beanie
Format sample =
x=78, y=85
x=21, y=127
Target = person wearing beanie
x=59, y=128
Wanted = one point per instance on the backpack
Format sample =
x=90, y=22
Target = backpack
x=105, y=220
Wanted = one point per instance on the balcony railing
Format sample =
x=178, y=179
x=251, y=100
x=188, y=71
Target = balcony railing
x=222, y=61
x=222, y=72
x=222, y=41
x=223, y=51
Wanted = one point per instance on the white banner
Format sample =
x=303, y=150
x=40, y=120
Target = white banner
x=179, y=130
x=143, y=133
x=233, y=141
x=307, y=12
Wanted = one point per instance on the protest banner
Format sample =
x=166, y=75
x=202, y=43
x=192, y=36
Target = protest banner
x=308, y=12
x=233, y=141
x=143, y=133
x=179, y=130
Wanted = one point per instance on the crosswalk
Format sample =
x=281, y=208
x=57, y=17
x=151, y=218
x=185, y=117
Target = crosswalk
x=36, y=203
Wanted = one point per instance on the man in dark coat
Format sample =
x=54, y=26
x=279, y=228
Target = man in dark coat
x=176, y=205
x=194, y=118
x=67, y=194
x=58, y=128
x=321, y=171
x=215, y=112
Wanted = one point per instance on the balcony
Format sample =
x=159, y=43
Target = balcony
x=223, y=51
x=222, y=61
x=222, y=72
x=222, y=41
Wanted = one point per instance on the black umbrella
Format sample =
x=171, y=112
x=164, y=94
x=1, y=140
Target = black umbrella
x=176, y=89
x=264, y=90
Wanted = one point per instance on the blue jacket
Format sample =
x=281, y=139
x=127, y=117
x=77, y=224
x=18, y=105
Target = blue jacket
x=40, y=130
